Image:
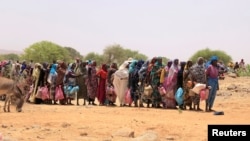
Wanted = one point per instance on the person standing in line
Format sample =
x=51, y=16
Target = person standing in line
x=198, y=75
x=171, y=85
x=52, y=82
x=61, y=72
x=180, y=84
x=81, y=71
x=155, y=82
x=70, y=86
x=212, y=73
x=92, y=82
x=121, y=82
x=35, y=78
x=187, y=85
x=110, y=77
x=101, y=91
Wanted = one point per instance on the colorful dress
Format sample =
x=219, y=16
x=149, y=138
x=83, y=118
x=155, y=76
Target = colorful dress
x=171, y=86
x=81, y=72
x=198, y=75
x=91, y=82
x=155, y=82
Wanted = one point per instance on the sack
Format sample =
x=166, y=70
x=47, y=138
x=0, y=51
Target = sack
x=179, y=96
x=111, y=97
x=204, y=94
x=148, y=90
x=59, y=93
x=110, y=90
x=191, y=93
x=162, y=90
x=198, y=87
x=128, y=98
x=74, y=90
x=39, y=93
x=45, y=93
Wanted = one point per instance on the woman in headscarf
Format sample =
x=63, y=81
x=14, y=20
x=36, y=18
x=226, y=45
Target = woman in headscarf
x=133, y=81
x=44, y=74
x=149, y=69
x=167, y=68
x=41, y=80
x=180, y=84
x=81, y=72
x=61, y=71
x=70, y=83
x=143, y=71
x=171, y=85
x=35, y=78
x=180, y=75
x=101, y=92
x=121, y=82
x=110, y=77
x=187, y=101
x=198, y=75
x=27, y=81
x=52, y=82
x=155, y=82
x=92, y=82
x=212, y=73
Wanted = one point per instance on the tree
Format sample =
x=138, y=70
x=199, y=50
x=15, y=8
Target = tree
x=207, y=53
x=73, y=54
x=165, y=60
x=94, y=56
x=10, y=56
x=113, y=53
x=134, y=54
x=45, y=51
x=117, y=54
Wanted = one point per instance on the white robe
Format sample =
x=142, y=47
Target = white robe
x=121, y=84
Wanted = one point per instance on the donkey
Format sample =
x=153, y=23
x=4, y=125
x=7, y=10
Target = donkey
x=13, y=92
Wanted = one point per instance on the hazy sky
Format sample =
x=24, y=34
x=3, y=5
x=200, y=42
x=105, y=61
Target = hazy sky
x=169, y=28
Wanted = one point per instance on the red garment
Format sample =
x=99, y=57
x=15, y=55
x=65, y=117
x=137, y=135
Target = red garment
x=102, y=74
x=101, y=91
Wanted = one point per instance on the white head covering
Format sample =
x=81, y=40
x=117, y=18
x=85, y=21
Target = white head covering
x=126, y=63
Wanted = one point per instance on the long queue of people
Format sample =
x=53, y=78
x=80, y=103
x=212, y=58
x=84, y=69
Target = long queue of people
x=133, y=83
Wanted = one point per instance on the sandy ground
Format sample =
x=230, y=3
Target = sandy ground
x=100, y=123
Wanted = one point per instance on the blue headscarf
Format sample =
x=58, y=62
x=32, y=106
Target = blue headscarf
x=53, y=69
x=213, y=58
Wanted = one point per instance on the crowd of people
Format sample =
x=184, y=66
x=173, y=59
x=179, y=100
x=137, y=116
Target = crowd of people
x=133, y=83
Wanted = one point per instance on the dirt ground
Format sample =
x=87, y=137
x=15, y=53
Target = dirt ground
x=100, y=123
